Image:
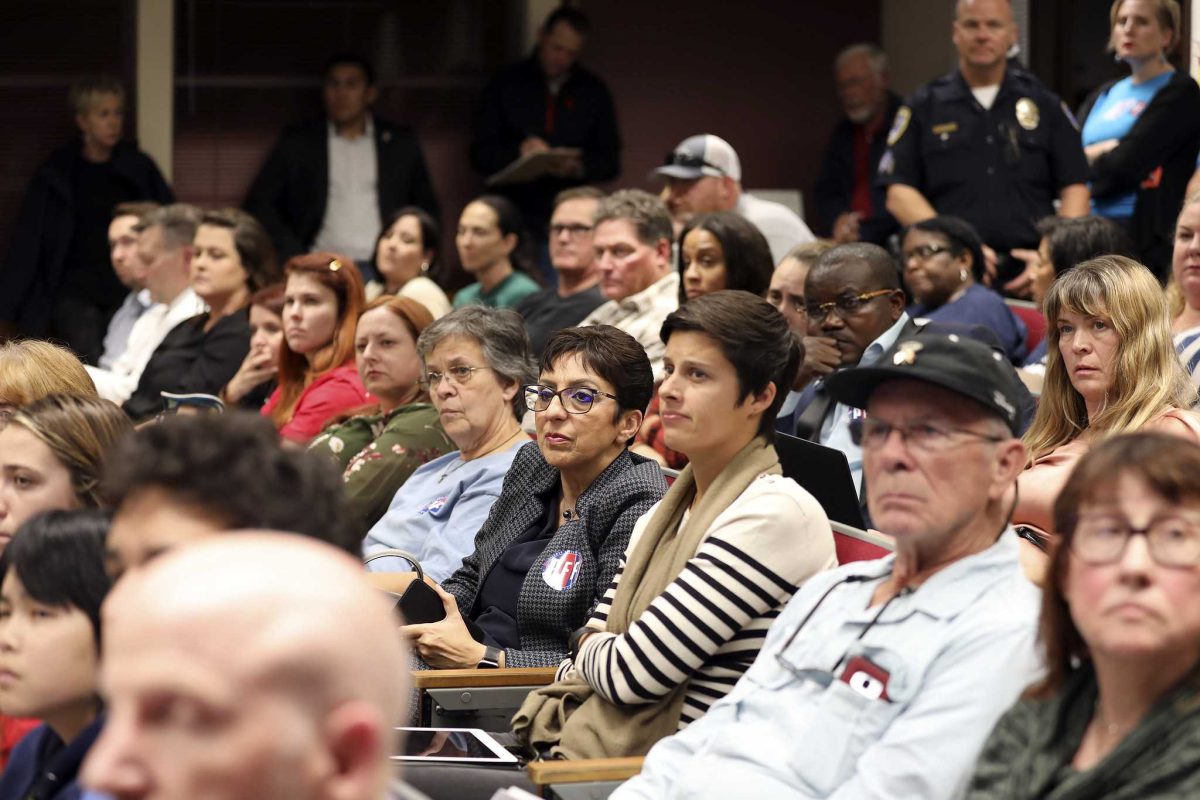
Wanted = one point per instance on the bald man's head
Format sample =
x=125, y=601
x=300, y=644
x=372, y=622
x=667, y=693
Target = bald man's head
x=252, y=666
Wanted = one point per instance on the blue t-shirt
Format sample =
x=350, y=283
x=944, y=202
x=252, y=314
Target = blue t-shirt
x=1112, y=117
x=981, y=306
x=437, y=512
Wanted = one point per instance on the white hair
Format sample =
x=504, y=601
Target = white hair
x=874, y=55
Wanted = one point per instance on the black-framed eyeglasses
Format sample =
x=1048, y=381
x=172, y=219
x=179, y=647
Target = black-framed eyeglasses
x=1173, y=540
x=574, y=399
x=574, y=231
x=871, y=433
x=681, y=159
x=845, y=305
x=460, y=374
x=924, y=252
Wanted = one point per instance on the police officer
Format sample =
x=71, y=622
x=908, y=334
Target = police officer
x=987, y=142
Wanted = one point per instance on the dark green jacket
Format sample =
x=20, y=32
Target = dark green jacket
x=1030, y=751
x=379, y=451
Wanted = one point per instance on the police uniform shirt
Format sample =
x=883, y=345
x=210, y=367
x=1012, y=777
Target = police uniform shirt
x=1000, y=168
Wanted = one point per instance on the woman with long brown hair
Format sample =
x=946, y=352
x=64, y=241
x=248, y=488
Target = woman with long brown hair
x=317, y=376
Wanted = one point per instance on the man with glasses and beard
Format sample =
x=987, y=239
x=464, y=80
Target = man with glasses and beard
x=883, y=678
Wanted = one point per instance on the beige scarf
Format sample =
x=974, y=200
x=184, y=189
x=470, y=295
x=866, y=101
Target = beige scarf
x=568, y=719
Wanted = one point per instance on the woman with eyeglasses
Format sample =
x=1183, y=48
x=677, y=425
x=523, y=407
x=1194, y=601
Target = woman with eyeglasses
x=322, y=299
x=1111, y=368
x=1118, y=713
x=554, y=538
x=943, y=260
x=380, y=446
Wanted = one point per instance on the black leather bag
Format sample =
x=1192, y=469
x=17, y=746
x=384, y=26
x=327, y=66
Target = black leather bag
x=420, y=603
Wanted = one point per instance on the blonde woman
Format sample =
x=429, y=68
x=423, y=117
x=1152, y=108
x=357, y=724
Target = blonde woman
x=1110, y=369
x=32, y=369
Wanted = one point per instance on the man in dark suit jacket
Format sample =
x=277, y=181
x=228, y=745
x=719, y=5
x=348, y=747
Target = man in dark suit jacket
x=331, y=184
x=856, y=306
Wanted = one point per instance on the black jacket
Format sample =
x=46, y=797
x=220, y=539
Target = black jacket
x=288, y=196
x=515, y=106
x=1156, y=160
x=598, y=535
x=37, y=256
x=190, y=360
x=835, y=184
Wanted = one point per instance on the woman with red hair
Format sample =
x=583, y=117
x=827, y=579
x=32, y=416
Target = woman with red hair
x=317, y=376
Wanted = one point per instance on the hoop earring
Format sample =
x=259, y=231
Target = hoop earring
x=424, y=267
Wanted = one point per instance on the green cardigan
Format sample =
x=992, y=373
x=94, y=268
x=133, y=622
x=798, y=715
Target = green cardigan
x=1030, y=750
x=379, y=451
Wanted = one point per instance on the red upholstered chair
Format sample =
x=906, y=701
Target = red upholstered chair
x=1035, y=323
x=852, y=544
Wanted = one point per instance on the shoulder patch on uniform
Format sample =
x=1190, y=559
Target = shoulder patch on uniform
x=1070, y=117
x=899, y=125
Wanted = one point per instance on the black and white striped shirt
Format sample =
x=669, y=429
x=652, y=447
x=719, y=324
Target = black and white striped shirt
x=709, y=624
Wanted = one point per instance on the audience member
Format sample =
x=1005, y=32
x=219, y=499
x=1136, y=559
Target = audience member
x=717, y=251
x=491, y=248
x=850, y=203
x=31, y=369
x=1183, y=291
x=1065, y=243
x=475, y=361
x=254, y=381
x=881, y=678
x=722, y=251
x=57, y=278
x=225, y=679
x=548, y=101
x=405, y=256
x=943, y=263
x=317, y=377
x=1141, y=134
x=704, y=175
x=552, y=543
x=632, y=239
x=379, y=447
x=131, y=272
x=855, y=310
x=328, y=184
x=233, y=258
x=573, y=258
x=191, y=476
x=51, y=453
x=987, y=142
x=711, y=565
x=1110, y=369
x=786, y=290
x=1116, y=715
x=53, y=585
x=165, y=248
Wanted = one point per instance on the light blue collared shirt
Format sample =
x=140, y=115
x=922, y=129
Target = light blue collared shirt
x=835, y=430
x=957, y=652
x=121, y=325
x=437, y=512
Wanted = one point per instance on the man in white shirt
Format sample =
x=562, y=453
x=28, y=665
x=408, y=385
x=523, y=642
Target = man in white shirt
x=164, y=248
x=632, y=238
x=122, y=249
x=331, y=184
x=704, y=175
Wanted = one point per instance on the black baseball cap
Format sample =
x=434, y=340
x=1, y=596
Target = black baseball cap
x=952, y=361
